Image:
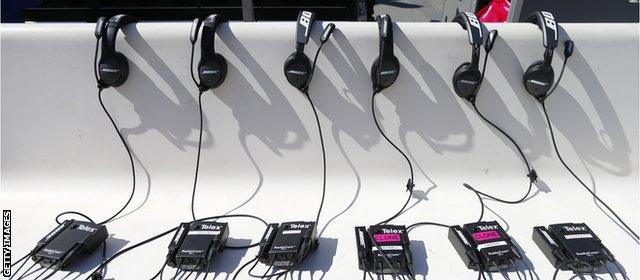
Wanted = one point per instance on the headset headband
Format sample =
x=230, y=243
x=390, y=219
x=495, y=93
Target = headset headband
x=385, y=32
x=475, y=29
x=547, y=23
x=209, y=26
x=113, y=25
x=470, y=22
x=303, y=28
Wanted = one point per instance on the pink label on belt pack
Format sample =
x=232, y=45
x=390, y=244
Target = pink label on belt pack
x=389, y=237
x=486, y=235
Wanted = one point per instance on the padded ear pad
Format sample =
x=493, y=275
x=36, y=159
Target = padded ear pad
x=114, y=70
x=297, y=69
x=466, y=80
x=538, y=79
x=212, y=71
x=383, y=77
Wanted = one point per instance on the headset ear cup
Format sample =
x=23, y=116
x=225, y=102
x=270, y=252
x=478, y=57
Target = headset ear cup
x=223, y=69
x=374, y=72
x=466, y=80
x=383, y=77
x=114, y=70
x=538, y=79
x=297, y=70
x=212, y=71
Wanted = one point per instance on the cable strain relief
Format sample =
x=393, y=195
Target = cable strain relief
x=96, y=276
x=533, y=176
x=101, y=85
x=410, y=185
x=468, y=186
x=472, y=99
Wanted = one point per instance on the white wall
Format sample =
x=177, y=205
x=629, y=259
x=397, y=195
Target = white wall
x=261, y=150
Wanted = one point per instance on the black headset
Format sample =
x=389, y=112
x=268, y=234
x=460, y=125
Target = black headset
x=539, y=77
x=386, y=67
x=113, y=68
x=212, y=67
x=297, y=67
x=467, y=77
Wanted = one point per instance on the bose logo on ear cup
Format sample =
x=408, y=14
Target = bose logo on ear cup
x=468, y=82
x=535, y=82
x=209, y=72
x=389, y=72
x=297, y=72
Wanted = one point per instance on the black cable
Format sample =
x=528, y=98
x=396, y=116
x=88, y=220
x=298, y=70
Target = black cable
x=409, y=227
x=254, y=261
x=24, y=261
x=324, y=158
x=159, y=273
x=124, y=143
x=531, y=173
x=553, y=89
x=123, y=251
x=26, y=271
x=305, y=90
x=566, y=263
x=52, y=273
x=479, y=199
x=410, y=184
x=195, y=180
x=22, y=258
x=384, y=257
x=74, y=213
x=555, y=147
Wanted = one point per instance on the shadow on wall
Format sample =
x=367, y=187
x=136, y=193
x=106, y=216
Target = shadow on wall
x=351, y=103
x=510, y=68
x=606, y=148
x=173, y=120
x=423, y=116
x=284, y=122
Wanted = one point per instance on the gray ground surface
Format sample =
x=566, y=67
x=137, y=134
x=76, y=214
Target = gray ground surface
x=410, y=10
